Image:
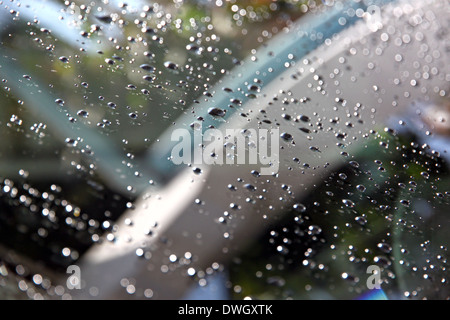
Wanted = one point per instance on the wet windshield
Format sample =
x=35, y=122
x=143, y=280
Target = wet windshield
x=228, y=149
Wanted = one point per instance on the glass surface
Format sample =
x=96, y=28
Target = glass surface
x=90, y=90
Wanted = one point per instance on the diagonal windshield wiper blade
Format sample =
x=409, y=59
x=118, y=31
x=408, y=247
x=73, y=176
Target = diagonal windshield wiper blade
x=271, y=61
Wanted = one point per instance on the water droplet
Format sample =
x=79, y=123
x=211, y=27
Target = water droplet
x=109, y=61
x=361, y=220
x=140, y=252
x=314, y=230
x=171, y=65
x=217, y=112
x=404, y=202
x=382, y=261
x=286, y=136
x=133, y=115
x=424, y=174
x=350, y=278
x=303, y=118
x=147, y=67
x=305, y=130
x=191, y=272
x=250, y=187
x=83, y=113
x=348, y=203
x=342, y=176
x=255, y=173
x=383, y=246
x=253, y=87
x=354, y=164
x=299, y=207
x=71, y=142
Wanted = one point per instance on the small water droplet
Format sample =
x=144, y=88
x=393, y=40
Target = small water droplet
x=286, y=136
x=171, y=65
x=303, y=118
x=255, y=173
x=314, y=230
x=147, y=67
x=382, y=261
x=83, y=113
x=404, y=202
x=361, y=220
x=250, y=187
x=348, y=203
x=217, y=112
x=299, y=207
x=133, y=115
x=383, y=246
x=354, y=164
x=253, y=87
x=71, y=142
x=424, y=174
